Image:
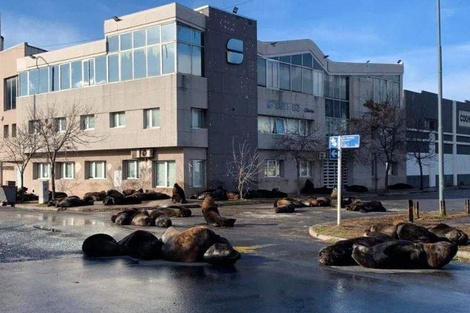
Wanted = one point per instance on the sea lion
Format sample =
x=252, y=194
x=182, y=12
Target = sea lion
x=404, y=254
x=384, y=228
x=454, y=235
x=124, y=217
x=191, y=245
x=340, y=253
x=221, y=254
x=415, y=233
x=366, y=206
x=101, y=245
x=178, y=194
x=212, y=216
x=142, y=219
x=142, y=244
x=163, y=221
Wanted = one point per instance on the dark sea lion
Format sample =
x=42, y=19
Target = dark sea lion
x=163, y=221
x=178, y=194
x=212, y=215
x=415, y=233
x=142, y=244
x=142, y=219
x=124, y=217
x=454, y=235
x=221, y=254
x=101, y=245
x=340, y=253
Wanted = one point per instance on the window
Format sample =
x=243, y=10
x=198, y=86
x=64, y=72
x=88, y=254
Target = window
x=126, y=65
x=10, y=94
x=304, y=169
x=41, y=170
x=168, y=58
x=273, y=168
x=87, y=122
x=261, y=72
x=23, y=83
x=100, y=70
x=66, y=170
x=65, y=76
x=13, y=130
x=198, y=118
x=95, y=169
x=140, y=63
x=113, y=68
x=60, y=124
x=234, y=51
x=279, y=126
x=5, y=131
x=77, y=80
x=197, y=170
x=118, y=119
x=165, y=173
x=151, y=118
x=34, y=126
x=272, y=69
x=131, y=169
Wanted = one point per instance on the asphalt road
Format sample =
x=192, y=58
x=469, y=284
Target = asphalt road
x=44, y=271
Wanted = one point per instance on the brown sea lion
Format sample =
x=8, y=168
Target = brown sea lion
x=142, y=219
x=178, y=194
x=191, y=245
x=124, y=217
x=212, y=215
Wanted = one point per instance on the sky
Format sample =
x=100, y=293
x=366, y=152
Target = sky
x=382, y=31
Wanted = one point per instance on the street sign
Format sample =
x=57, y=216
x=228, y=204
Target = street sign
x=350, y=141
x=333, y=154
x=333, y=142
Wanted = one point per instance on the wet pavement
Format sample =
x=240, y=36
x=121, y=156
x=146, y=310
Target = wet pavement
x=42, y=269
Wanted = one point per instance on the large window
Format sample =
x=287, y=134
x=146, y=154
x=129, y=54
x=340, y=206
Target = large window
x=305, y=169
x=197, y=172
x=151, y=118
x=10, y=94
x=198, y=118
x=87, y=122
x=117, y=119
x=41, y=170
x=273, y=168
x=165, y=173
x=5, y=131
x=66, y=170
x=131, y=169
x=95, y=169
x=61, y=124
x=189, y=51
x=282, y=126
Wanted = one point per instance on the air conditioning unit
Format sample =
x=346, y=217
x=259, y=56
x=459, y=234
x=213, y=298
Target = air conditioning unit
x=146, y=153
x=135, y=154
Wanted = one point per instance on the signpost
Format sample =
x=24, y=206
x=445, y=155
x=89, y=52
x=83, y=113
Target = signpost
x=336, y=144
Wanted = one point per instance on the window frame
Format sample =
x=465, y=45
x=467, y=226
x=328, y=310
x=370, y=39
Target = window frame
x=275, y=166
x=126, y=170
x=92, y=166
x=85, y=122
x=168, y=182
x=192, y=166
x=63, y=170
x=305, y=165
x=115, y=119
x=149, y=118
x=201, y=116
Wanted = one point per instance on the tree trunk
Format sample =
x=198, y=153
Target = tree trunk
x=298, y=176
x=421, y=183
x=53, y=180
x=21, y=185
x=387, y=168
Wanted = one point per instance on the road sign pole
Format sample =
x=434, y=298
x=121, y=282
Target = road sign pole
x=338, y=199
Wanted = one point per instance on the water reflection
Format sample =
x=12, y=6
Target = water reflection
x=65, y=221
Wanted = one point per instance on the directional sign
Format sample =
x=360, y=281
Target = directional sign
x=350, y=141
x=333, y=154
x=333, y=142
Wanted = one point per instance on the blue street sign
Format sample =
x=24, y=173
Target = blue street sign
x=350, y=141
x=333, y=142
x=333, y=154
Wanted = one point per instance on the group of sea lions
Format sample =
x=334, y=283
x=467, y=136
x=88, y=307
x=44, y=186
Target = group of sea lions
x=150, y=216
x=401, y=246
x=196, y=244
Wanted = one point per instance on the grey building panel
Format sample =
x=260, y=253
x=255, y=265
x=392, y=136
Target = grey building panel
x=463, y=180
x=232, y=91
x=415, y=180
x=461, y=149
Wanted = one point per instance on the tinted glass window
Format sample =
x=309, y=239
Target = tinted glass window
x=65, y=76
x=100, y=68
x=23, y=84
x=307, y=81
x=234, y=57
x=77, y=74
x=197, y=38
x=153, y=35
x=184, y=58
x=296, y=78
x=285, y=59
x=235, y=45
x=126, y=65
x=307, y=60
x=126, y=41
x=55, y=84
x=139, y=38
x=153, y=59
x=139, y=63
x=261, y=72
x=168, y=32
x=113, y=68
x=168, y=58
x=33, y=82
x=297, y=59
x=196, y=61
x=185, y=34
x=43, y=80
x=113, y=44
x=284, y=76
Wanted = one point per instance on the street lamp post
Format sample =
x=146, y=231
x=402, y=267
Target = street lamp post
x=442, y=206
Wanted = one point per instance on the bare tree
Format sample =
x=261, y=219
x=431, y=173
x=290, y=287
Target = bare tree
x=244, y=167
x=19, y=148
x=300, y=145
x=421, y=138
x=382, y=129
x=60, y=133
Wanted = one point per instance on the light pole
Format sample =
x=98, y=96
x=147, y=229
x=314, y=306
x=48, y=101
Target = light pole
x=442, y=204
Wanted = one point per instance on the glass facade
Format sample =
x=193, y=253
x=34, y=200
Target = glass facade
x=153, y=51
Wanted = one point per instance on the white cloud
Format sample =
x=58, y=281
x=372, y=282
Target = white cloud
x=39, y=33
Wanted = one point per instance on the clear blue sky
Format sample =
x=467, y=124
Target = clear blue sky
x=381, y=31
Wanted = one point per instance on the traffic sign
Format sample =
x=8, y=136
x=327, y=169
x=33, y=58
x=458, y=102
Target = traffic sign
x=333, y=154
x=350, y=141
x=333, y=142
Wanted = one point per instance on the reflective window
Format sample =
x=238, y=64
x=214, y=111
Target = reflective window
x=10, y=94
x=284, y=76
x=184, y=58
x=151, y=118
x=165, y=173
x=297, y=59
x=198, y=118
x=261, y=72
x=33, y=82
x=100, y=69
x=196, y=61
x=153, y=35
x=23, y=83
x=169, y=32
x=272, y=74
x=197, y=171
x=65, y=76
x=197, y=38
x=285, y=59
x=95, y=169
x=140, y=63
x=113, y=68
x=118, y=119
x=89, y=72
x=77, y=74
x=273, y=168
x=87, y=122
x=185, y=34
x=307, y=81
x=66, y=170
x=41, y=170
x=126, y=41
x=55, y=84
x=43, y=82
x=131, y=169
x=235, y=45
x=126, y=65
x=304, y=168
x=113, y=44
x=296, y=78
x=234, y=57
x=139, y=38
x=307, y=60
x=168, y=58
x=153, y=61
